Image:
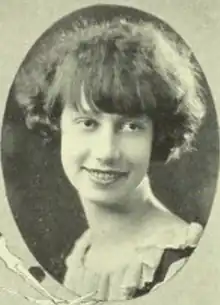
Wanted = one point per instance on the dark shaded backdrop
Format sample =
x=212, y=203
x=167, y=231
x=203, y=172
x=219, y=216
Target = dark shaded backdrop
x=45, y=206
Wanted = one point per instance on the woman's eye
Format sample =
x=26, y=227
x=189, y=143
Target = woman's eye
x=132, y=127
x=87, y=123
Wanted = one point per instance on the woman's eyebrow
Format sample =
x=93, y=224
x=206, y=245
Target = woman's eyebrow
x=134, y=117
x=117, y=117
x=88, y=112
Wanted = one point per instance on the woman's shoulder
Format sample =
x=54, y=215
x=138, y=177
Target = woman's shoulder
x=172, y=232
x=167, y=250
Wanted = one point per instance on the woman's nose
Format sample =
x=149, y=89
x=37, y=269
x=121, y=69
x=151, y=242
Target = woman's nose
x=106, y=147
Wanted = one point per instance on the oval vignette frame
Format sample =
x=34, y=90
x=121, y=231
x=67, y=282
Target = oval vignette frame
x=203, y=215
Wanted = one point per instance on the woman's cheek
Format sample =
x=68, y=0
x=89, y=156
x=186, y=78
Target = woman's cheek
x=138, y=150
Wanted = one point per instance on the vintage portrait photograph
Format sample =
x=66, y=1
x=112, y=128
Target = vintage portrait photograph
x=109, y=156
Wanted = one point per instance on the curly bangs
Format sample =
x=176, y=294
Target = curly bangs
x=124, y=68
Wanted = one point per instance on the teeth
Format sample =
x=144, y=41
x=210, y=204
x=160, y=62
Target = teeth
x=104, y=176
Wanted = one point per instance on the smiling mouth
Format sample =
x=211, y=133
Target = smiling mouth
x=105, y=176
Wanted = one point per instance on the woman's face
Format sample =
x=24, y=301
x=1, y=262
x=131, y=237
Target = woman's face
x=105, y=156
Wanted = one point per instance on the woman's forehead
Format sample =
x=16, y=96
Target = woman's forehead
x=102, y=116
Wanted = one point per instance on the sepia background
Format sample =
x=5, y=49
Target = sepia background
x=35, y=198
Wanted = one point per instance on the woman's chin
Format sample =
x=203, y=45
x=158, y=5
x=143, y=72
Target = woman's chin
x=104, y=191
x=102, y=198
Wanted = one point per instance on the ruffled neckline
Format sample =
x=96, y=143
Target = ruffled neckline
x=121, y=284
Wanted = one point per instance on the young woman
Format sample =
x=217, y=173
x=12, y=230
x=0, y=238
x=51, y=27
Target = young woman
x=122, y=95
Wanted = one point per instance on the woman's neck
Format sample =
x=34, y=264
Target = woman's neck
x=112, y=225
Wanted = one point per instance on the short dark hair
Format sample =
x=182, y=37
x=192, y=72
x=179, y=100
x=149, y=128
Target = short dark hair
x=125, y=68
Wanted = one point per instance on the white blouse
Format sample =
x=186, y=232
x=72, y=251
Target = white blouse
x=122, y=284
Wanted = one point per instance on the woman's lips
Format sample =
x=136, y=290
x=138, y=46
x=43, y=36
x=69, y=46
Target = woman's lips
x=105, y=176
